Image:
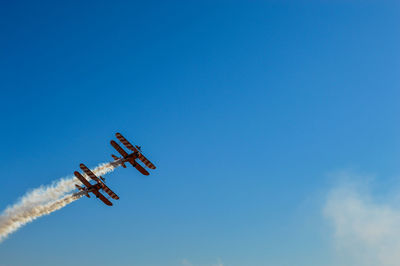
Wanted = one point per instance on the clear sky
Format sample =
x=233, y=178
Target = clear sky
x=246, y=108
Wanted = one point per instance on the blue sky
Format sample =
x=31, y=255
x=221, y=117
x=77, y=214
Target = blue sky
x=245, y=108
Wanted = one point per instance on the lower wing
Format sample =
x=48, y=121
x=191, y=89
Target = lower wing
x=103, y=199
x=138, y=167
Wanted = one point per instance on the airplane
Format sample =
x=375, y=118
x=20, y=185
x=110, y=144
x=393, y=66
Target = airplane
x=131, y=157
x=94, y=188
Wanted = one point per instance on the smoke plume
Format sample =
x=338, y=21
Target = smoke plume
x=43, y=201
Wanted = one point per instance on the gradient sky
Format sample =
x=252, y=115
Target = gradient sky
x=245, y=107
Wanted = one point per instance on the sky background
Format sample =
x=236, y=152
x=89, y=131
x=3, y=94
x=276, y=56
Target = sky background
x=251, y=111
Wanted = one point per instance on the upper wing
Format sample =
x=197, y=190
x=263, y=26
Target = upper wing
x=118, y=148
x=132, y=148
x=82, y=179
x=103, y=199
x=125, y=142
x=88, y=172
x=146, y=161
x=109, y=191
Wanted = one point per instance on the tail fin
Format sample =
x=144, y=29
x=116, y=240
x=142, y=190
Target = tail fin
x=117, y=158
x=82, y=189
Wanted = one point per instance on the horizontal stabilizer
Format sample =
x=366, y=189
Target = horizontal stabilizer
x=121, y=160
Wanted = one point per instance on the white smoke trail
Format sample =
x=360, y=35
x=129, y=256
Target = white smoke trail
x=11, y=220
x=43, y=201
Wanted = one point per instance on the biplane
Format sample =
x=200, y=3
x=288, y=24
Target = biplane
x=94, y=188
x=130, y=157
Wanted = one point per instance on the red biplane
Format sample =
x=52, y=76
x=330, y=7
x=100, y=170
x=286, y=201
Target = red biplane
x=94, y=188
x=131, y=157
